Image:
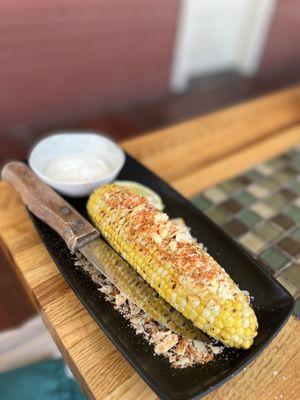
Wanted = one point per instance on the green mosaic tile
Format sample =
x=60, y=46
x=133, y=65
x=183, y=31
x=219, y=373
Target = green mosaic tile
x=288, y=194
x=264, y=169
x=231, y=206
x=270, y=183
x=283, y=221
x=292, y=273
x=276, y=163
x=294, y=185
x=235, y=228
x=242, y=180
x=252, y=242
x=282, y=177
x=287, y=284
x=215, y=195
x=258, y=191
x=289, y=169
x=296, y=164
x=268, y=231
x=285, y=156
x=297, y=308
x=230, y=186
x=296, y=202
x=276, y=201
x=293, y=151
x=296, y=156
x=254, y=175
x=202, y=203
x=292, y=212
x=274, y=258
x=263, y=210
x=290, y=246
x=249, y=218
x=218, y=214
x=295, y=234
x=244, y=198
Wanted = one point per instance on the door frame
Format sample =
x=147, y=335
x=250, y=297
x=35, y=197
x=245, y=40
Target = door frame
x=258, y=16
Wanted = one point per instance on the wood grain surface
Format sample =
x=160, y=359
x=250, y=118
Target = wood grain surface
x=191, y=156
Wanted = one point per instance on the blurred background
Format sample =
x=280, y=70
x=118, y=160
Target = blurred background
x=130, y=66
x=126, y=67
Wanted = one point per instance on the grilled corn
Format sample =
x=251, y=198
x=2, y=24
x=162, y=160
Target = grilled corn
x=142, y=294
x=178, y=268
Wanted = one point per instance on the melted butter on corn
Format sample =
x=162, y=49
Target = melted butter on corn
x=178, y=268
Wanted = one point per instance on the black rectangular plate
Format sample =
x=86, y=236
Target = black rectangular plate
x=272, y=303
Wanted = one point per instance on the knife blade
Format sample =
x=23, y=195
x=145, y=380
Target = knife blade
x=80, y=235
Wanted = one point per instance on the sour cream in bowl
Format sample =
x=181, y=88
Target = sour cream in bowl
x=75, y=163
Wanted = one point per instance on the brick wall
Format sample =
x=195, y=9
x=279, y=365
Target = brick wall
x=62, y=59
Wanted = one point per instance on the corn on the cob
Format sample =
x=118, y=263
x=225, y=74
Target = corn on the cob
x=179, y=269
x=142, y=294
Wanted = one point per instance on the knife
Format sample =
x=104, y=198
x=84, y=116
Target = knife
x=79, y=235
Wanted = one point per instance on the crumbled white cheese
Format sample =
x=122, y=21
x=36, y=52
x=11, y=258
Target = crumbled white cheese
x=173, y=245
x=157, y=238
x=166, y=344
x=200, y=346
x=216, y=349
x=120, y=299
x=183, y=237
x=160, y=217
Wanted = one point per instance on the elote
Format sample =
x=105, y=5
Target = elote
x=142, y=294
x=178, y=268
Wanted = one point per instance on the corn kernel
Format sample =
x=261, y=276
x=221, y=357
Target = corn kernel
x=232, y=321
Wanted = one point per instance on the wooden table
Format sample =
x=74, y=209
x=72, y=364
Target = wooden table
x=191, y=156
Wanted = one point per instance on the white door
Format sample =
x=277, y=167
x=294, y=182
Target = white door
x=217, y=35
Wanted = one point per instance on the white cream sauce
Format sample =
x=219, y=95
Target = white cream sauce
x=77, y=167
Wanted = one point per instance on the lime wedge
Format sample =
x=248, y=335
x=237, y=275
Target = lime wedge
x=143, y=190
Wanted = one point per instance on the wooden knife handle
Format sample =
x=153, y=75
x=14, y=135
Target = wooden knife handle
x=48, y=206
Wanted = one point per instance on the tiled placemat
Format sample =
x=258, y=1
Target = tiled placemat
x=261, y=210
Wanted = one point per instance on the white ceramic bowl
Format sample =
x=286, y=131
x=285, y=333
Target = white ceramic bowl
x=61, y=144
